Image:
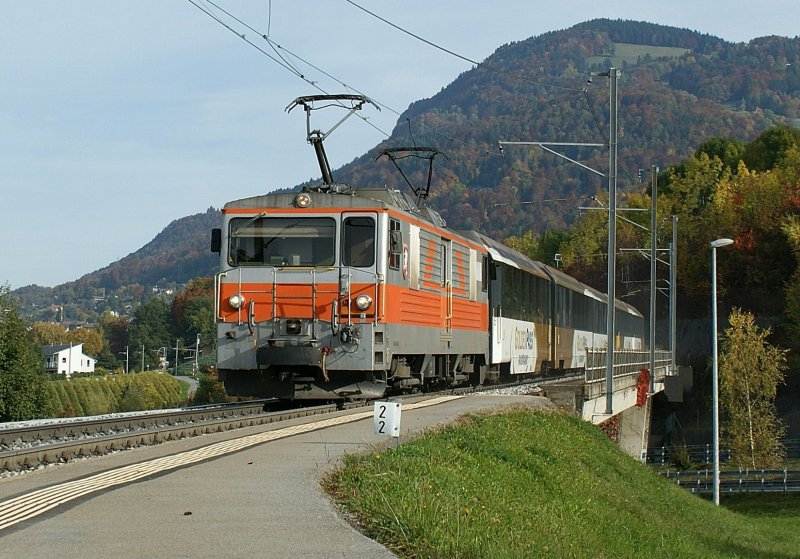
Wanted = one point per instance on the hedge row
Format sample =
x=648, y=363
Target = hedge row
x=113, y=393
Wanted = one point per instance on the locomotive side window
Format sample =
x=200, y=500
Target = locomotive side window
x=395, y=244
x=358, y=242
x=445, y=262
x=282, y=241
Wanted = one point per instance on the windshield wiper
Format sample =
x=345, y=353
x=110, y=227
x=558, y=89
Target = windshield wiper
x=249, y=222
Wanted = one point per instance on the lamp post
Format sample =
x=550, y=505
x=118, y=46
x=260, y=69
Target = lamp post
x=714, y=371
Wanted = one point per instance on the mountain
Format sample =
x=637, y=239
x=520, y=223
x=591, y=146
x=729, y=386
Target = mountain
x=175, y=256
x=677, y=88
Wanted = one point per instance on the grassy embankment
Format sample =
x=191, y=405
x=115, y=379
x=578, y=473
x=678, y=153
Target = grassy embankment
x=543, y=484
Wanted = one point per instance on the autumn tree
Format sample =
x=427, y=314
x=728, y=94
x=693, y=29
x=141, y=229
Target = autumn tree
x=542, y=248
x=750, y=370
x=92, y=340
x=770, y=147
x=115, y=330
x=149, y=329
x=22, y=380
x=727, y=150
x=193, y=311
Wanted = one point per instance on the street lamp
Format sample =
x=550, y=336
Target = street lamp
x=715, y=374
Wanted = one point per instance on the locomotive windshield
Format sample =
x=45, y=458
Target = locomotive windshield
x=282, y=241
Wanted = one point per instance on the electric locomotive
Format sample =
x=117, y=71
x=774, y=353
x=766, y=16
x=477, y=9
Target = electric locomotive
x=339, y=293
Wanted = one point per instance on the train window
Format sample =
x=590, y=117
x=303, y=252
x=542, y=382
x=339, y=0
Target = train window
x=282, y=241
x=358, y=242
x=445, y=262
x=395, y=244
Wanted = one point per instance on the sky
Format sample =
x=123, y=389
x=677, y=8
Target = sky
x=117, y=118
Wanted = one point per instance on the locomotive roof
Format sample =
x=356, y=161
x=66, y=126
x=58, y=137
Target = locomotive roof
x=342, y=197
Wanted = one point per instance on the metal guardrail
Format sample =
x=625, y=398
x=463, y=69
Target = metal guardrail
x=704, y=453
x=626, y=362
x=737, y=481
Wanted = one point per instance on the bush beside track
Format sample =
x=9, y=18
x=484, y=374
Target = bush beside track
x=113, y=393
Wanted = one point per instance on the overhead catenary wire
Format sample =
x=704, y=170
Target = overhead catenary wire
x=453, y=53
x=291, y=68
x=281, y=62
x=294, y=70
x=242, y=36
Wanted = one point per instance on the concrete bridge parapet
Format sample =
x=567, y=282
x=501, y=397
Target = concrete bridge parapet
x=630, y=406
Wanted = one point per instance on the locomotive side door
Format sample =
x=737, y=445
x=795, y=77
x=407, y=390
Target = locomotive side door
x=358, y=271
x=447, y=284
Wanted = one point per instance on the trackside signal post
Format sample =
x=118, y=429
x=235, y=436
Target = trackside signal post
x=386, y=420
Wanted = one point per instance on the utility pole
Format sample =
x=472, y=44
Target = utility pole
x=673, y=293
x=196, y=354
x=653, y=258
x=612, y=74
x=127, y=368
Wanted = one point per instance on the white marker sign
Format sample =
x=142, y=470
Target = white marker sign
x=386, y=419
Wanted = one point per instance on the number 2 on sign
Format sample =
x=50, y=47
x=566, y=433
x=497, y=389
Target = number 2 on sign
x=380, y=420
x=386, y=419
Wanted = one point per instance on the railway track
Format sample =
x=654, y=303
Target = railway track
x=30, y=446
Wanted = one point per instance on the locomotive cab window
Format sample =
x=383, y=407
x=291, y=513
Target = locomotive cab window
x=395, y=244
x=282, y=241
x=358, y=242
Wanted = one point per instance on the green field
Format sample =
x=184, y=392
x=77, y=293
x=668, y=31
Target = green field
x=542, y=484
x=625, y=52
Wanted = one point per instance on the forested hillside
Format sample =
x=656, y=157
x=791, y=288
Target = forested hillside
x=173, y=258
x=677, y=89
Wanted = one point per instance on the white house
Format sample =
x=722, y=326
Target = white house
x=67, y=359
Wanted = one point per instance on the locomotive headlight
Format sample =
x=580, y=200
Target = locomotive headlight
x=302, y=200
x=363, y=302
x=236, y=301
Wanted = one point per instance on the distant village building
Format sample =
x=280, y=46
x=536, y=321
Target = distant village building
x=67, y=360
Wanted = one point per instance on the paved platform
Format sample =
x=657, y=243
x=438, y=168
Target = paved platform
x=263, y=500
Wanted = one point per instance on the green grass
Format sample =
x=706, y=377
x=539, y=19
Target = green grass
x=630, y=53
x=542, y=484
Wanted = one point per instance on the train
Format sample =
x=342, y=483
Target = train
x=338, y=293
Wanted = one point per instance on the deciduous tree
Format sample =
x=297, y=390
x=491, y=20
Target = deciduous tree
x=750, y=370
x=150, y=329
x=22, y=381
